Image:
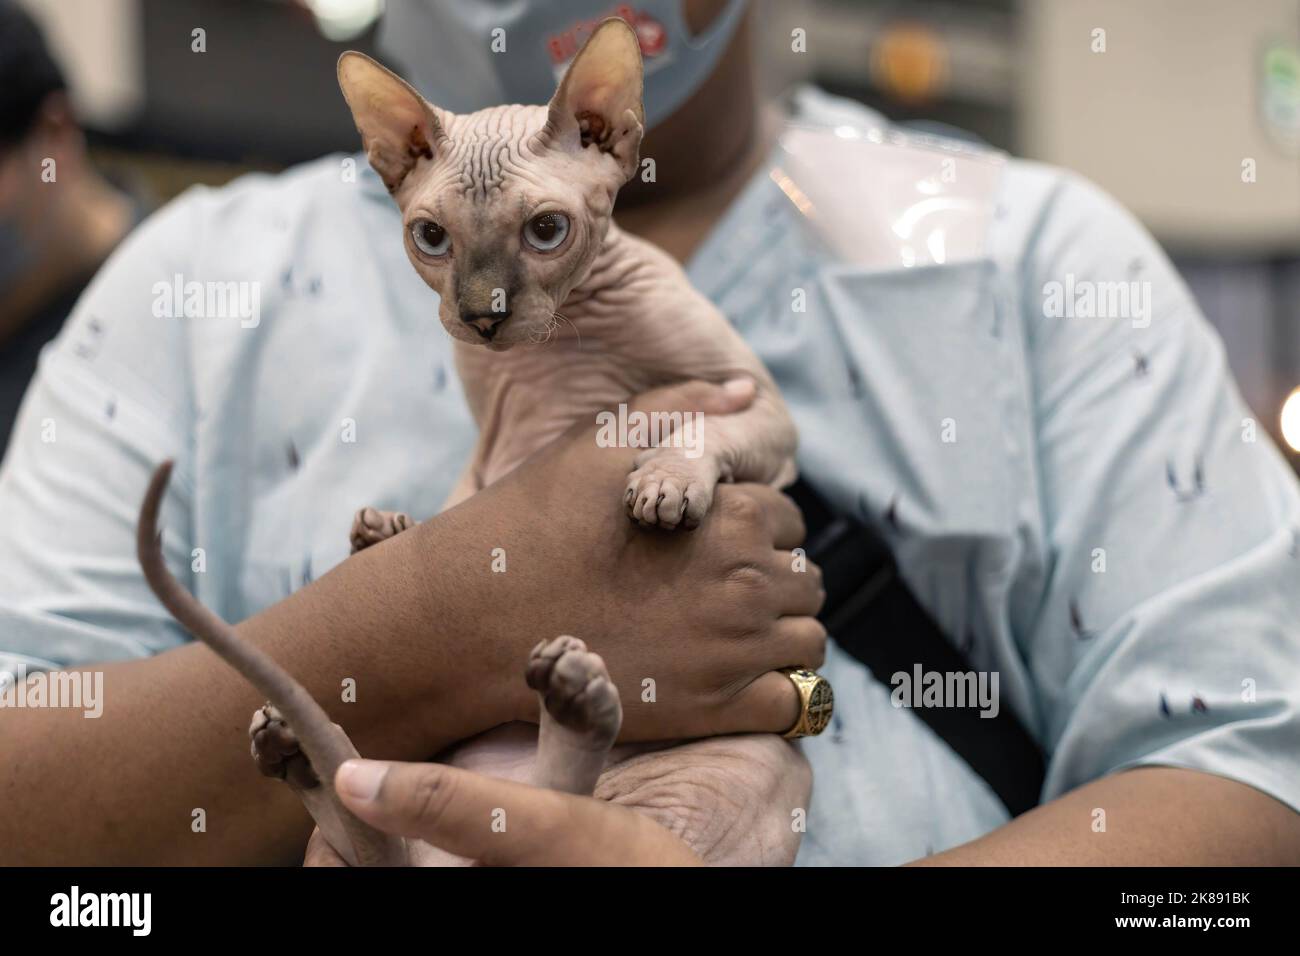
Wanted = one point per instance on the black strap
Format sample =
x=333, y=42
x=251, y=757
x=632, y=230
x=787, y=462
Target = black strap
x=871, y=614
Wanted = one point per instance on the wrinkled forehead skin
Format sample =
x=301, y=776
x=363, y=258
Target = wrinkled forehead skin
x=494, y=151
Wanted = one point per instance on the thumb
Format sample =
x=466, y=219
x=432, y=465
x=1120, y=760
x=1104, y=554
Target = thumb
x=500, y=822
x=734, y=395
x=447, y=807
x=682, y=398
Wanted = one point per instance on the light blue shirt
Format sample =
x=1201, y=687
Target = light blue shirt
x=1105, y=531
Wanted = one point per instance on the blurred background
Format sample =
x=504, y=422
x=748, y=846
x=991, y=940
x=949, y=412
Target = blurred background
x=1164, y=116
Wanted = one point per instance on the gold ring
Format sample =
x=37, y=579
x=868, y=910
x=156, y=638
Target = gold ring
x=816, y=702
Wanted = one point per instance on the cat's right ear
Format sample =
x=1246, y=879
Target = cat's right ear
x=598, y=103
x=398, y=127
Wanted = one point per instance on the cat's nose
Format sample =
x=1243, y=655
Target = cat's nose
x=485, y=323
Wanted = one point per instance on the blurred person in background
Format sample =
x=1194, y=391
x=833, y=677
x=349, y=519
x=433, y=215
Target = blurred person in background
x=59, y=218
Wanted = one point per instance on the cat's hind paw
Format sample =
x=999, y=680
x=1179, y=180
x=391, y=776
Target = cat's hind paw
x=275, y=750
x=580, y=714
x=371, y=526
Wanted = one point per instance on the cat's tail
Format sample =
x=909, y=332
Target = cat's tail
x=325, y=744
x=323, y=741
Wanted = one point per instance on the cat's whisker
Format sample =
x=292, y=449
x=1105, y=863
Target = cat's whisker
x=564, y=318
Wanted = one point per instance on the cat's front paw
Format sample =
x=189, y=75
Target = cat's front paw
x=669, y=489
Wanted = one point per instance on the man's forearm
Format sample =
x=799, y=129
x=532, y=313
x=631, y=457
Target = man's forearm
x=436, y=642
x=1154, y=816
x=172, y=739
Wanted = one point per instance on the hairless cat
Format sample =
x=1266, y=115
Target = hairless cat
x=507, y=216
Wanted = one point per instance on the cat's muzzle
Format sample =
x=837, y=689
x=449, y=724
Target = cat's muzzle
x=485, y=324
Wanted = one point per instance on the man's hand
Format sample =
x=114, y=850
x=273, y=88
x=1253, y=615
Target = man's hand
x=497, y=822
x=735, y=801
x=692, y=625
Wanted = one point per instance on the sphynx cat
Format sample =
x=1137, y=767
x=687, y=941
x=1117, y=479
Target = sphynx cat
x=556, y=314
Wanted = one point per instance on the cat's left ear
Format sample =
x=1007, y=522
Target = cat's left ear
x=598, y=104
x=398, y=126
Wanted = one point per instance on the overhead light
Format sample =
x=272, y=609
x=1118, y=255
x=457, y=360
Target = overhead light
x=1291, y=420
x=341, y=20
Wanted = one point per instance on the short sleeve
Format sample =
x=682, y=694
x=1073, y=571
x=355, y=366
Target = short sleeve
x=1170, y=630
x=111, y=399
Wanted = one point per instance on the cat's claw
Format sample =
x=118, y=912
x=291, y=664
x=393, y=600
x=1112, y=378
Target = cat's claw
x=669, y=490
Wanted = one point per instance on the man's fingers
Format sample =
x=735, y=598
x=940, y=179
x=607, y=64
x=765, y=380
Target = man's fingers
x=771, y=703
x=499, y=822
x=799, y=642
x=461, y=812
x=728, y=398
x=709, y=398
x=768, y=705
x=796, y=583
x=781, y=517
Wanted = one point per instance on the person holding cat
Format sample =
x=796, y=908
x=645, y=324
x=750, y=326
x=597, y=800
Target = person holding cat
x=1058, y=454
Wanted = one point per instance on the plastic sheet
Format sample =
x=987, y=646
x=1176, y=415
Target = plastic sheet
x=883, y=199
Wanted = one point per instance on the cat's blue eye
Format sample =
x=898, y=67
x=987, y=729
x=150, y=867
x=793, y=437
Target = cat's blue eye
x=430, y=238
x=547, y=231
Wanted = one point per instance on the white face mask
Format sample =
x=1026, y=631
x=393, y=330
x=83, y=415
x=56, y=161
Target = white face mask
x=464, y=55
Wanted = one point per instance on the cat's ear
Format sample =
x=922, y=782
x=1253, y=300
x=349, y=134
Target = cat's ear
x=598, y=103
x=398, y=127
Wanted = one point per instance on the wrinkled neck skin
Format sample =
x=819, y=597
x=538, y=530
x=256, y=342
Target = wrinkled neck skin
x=633, y=323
